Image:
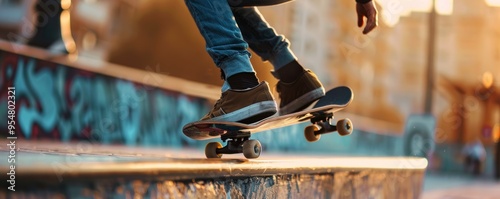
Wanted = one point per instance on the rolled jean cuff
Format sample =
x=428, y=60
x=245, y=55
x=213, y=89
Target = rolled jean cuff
x=282, y=58
x=225, y=86
x=237, y=64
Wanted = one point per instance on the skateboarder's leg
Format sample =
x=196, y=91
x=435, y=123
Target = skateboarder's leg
x=262, y=38
x=243, y=97
x=298, y=87
x=224, y=42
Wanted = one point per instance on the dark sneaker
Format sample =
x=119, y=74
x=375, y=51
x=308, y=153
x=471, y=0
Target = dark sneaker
x=300, y=94
x=246, y=106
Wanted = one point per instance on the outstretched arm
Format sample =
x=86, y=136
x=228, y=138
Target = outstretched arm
x=366, y=8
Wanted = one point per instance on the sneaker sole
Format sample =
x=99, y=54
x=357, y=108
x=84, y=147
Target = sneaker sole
x=303, y=101
x=254, y=112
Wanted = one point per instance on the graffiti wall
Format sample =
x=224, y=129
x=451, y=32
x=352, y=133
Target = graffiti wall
x=58, y=102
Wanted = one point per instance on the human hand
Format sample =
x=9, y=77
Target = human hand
x=369, y=11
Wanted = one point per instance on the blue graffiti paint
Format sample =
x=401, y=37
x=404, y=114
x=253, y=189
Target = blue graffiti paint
x=164, y=111
x=37, y=88
x=128, y=109
x=8, y=72
x=99, y=108
x=79, y=114
x=105, y=125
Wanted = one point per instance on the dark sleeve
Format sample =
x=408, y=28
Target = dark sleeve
x=363, y=1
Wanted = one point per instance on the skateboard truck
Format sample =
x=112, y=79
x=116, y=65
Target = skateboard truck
x=321, y=124
x=237, y=142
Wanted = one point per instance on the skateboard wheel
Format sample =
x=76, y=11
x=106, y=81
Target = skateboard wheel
x=344, y=127
x=252, y=149
x=309, y=133
x=211, y=150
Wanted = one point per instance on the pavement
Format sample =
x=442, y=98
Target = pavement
x=457, y=186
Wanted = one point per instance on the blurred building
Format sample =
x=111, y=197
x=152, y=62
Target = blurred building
x=387, y=68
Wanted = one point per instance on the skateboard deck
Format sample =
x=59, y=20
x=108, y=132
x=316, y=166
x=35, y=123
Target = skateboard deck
x=334, y=100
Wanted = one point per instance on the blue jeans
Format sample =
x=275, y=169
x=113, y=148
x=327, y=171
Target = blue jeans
x=229, y=31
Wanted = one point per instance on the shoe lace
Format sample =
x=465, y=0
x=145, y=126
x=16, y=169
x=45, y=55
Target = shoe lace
x=219, y=101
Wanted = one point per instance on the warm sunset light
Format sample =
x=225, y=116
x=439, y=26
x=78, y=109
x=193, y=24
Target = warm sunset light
x=392, y=10
x=487, y=79
x=444, y=7
x=496, y=133
x=493, y=2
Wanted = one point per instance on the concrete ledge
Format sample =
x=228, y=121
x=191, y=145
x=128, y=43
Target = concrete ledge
x=183, y=169
x=109, y=170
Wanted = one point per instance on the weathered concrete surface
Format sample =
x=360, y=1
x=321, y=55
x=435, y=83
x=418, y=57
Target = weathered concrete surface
x=55, y=170
x=345, y=184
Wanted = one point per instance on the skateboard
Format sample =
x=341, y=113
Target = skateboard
x=237, y=135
